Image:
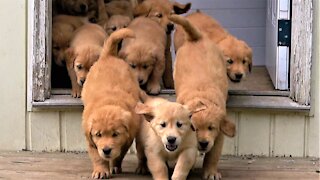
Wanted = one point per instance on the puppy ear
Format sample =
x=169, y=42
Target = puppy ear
x=88, y=129
x=142, y=9
x=126, y=117
x=70, y=55
x=181, y=8
x=145, y=110
x=196, y=106
x=228, y=128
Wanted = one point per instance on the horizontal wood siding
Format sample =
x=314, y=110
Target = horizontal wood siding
x=258, y=133
x=246, y=20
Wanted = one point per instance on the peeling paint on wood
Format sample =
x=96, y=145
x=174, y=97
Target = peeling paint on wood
x=301, y=51
x=41, y=51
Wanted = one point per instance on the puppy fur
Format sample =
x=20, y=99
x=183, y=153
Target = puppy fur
x=110, y=95
x=116, y=22
x=145, y=53
x=76, y=7
x=201, y=83
x=84, y=50
x=165, y=135
x=119, y=7
x=159, y=11
x=237, y=54
x=63, y=28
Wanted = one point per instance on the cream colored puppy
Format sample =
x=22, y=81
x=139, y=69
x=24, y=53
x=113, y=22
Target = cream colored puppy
x=166, y=135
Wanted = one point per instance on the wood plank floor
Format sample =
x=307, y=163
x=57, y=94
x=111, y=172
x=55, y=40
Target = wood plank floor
x=35, y=165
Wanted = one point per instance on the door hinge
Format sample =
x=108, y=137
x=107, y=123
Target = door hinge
x=284, y=32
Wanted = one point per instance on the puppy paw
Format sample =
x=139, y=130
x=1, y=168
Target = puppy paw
x=142, y=169
x=212, y=176
x=76, y=92
x=153, y=88
x=101, y=174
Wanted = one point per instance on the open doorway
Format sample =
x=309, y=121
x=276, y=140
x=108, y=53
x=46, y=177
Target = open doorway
x=250, y=21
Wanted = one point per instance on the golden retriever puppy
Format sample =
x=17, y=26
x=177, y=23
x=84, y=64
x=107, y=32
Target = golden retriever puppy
x=166, y=135
x=145, y=53
x=84, y=50
x=119, y=7
x=116, y=22
x=237, y=54
x=110, y=95
x=63, y=28
x=160, y=10
x=76, y=7
x=201, y=83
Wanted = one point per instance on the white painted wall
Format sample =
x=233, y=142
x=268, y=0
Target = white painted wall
x=13, y=74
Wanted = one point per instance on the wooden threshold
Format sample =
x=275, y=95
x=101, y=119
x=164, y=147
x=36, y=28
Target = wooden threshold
x=239, y=100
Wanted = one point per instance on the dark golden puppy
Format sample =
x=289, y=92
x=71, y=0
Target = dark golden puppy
x=85, y=49
x=76, y=7
x=116, y=22
x=201, y=83
x=110, y=95
x=159, y=11
x=237, y=54
x=63, y=28
x=145, y=54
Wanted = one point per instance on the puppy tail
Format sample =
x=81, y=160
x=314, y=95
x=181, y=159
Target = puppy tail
x=110, y=47
x=193, y=34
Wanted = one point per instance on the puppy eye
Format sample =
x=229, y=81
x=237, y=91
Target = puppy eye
x=133, y=66
x=210, y=128
x=159, y=15
x=179, y=124
x=115, y=134
x=163, y=125
x=98, y=134
x=113, y=28
x=79, y=66
x=230, y=61
x=145, y=66
x=243, y=61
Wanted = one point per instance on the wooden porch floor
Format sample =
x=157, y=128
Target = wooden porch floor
x=34, y=165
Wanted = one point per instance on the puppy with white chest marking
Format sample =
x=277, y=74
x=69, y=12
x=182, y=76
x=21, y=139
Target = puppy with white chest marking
x=201, y=82
x=166, y=135
x=84, y=51
x=110, y=95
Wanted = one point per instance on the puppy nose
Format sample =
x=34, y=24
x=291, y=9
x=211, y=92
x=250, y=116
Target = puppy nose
x=238, y=76
x=203, y=144
x=140, y=81
x=83, y=7
x=170, y=27
x=171, y=139
x=107, y=151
